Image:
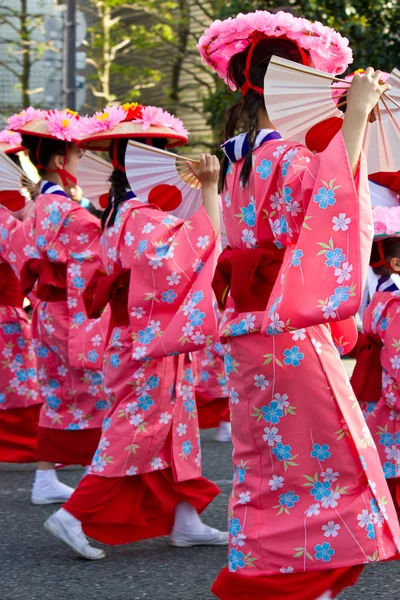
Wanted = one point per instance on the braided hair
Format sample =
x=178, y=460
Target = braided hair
x=246, y=112
x=118, y=179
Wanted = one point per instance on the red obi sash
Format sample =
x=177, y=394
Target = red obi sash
x=249, y=275
x=103, y=289
x=51, y=278
x=367, y=374
x=10, y=290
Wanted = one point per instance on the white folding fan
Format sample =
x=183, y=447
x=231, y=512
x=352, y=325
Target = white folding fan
x=12, y=182
x=163, y=178
x=298, y=98
x=93, y=177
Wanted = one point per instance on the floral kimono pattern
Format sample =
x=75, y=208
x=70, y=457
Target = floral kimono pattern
x=308, y=492
x=69, y=347
x=147, y=370
x=382, y=319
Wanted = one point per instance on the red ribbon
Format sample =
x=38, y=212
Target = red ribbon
x=367, y=375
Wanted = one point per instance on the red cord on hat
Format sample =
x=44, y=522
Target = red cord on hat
x=382, y=262
x=65, y=176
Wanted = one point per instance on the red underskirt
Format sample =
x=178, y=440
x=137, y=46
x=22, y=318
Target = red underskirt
x=211, y=412
x=18, y=434
x=394, y=489
x=122, y=510
x=66, y=446
x=292, y=586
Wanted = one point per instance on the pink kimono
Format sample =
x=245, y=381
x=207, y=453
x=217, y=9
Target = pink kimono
x=19, y=399
x=58, y=250
x=149, y=459
x=309, y=492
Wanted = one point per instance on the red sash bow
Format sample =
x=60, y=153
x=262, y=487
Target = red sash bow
x=10, y=291
x=249, y=275
x=367, y=374
x=103, y=289
x=51, y=279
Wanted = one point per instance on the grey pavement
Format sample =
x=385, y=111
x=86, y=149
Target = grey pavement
x=34, y=566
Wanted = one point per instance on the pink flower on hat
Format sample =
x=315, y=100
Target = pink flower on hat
x=106, y=119
x=25, y=116
x=157, y=117
x=63, y=124
x=12, y=138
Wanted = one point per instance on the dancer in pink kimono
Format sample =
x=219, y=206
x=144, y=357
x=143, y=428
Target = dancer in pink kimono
x=56, y=251
x=145, y=480
x=310, y=504
x=376, y=377
x=19, y=399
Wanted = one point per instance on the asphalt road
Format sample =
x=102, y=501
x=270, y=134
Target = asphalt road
x=33, y=566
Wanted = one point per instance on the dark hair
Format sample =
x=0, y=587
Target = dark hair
x=246, y=112
x=41, y=150
x=118, y=180
x=391, y=249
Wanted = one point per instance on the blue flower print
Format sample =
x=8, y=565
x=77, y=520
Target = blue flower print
x=53, y=401
x=197, y=318
x=53, y=383
x=285, y=168
x=42, y=352
x=31, y=373
x=21, y=375
x=265, y=169
x=324, y=552
x=169, y=296
x=248, y=214
x=389, y=470
x=204, y=376
x=241, y=472
x=370, y=529
x=78, y=282
x=55, y=217
x=4, y=234
x=189, y=405
x=228, y=361
x=2, y=398
x=197, y=297
x=234, y=526
x=52, y=254
x=283, y=224
x=335, y=257
x=282, y=451
x=97, y=378
x=236, y=558
x=397, y=438
x=384, y=324
x=145, y=336
x=238, y=329
x=41, y=241
x=19, y=359
x=320, y=452
x=325, y=198
x=73, y=426
x=142, y=247
x=289, y=499
x=187, y=448
x=272, y=413
x=101, y=404
x=287, y=194
x=78, y=256
x=115, y=360
x=93, y=356
x=145, y=402
x=321, y=490
x=8, y=329
x=341, y=294
x=386, y=439
x=162, y=251
x=79, y=318
x=293, y=356
x=199, y=267
x=296, y=258
x=189, y=377
x=21, y=343
x=153, y=382
x=106, y=423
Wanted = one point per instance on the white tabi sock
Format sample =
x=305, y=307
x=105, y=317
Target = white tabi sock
x=326, y=596
x=187, y=519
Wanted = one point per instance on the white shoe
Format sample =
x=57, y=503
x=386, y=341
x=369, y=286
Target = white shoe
x=69, y=530
x=47, y=489
x=224, y=432
x=210, y=537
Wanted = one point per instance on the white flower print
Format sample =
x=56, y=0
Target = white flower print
x=233, y=396
x=188, y=329
x=75, y=270
x=138, y=312
x=12, y=257
x=341, y=222
x=395, y=361
x=196, y=265
x=46, y=223
x=227, y=199
x=96, y=341
x=271, y=436
x=165, y=418
x=132, y=471
x=276, y=482
x=249, y=321
x=238, y=540
x=139, y=352
x=313, y=510
x=294, y=208
x=328, y=311
x=282, y=400
x=77, y=414
x=189, y=308
x=393, y=453
x=29, y=250
x=364, y=518
x=136, y=420
x=331, y=529
x=248, y=238
x=276, y=201
x=186, y=391
x=181, y=429
x=343, y=273
x=7, y=352
x=129, y=238
x=157, y=463
x=83, y=238
x=331, y=501
x=299, y=334
x=276, y=324
x=148, y=228
x=98, y=466
x=261, y=382
x=103, y=444
x=329, y=475
x=203, y=242
x=62, y=371
x=317, y=346
x=112, y=254
x=198, y=338
x=155, y=326
x=244, y=498
x=174, y=278
x=279, y=150
x=155, y=262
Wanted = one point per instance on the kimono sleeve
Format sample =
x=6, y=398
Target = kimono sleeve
x=170, y=296
x=86, y=337
x=17, y=243
x=386, y=323
x=327, y=230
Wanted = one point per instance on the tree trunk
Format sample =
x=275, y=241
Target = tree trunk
x=183, y=30
x=26, y=56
